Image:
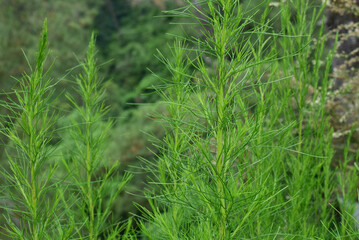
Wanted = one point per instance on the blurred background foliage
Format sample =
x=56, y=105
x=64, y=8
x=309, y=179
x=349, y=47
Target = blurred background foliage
x=129, y=32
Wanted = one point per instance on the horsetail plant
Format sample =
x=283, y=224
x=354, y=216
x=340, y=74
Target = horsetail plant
x=87, y=166
x=31, y=199
x=38, y=206
x=204, y=172
x=247, y=151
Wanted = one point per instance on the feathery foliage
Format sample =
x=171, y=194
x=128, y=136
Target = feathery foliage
x=31, y=197
x=247, y=151
x=89, y=136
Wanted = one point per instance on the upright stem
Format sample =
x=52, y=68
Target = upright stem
x=34, y=201
x=89, y=184
x=89, y=107
x=220, y=165
x=32, y=172
x=221, y=39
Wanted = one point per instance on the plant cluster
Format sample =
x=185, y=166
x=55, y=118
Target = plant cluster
x=247, y=153
x=247, y=150
x=39, y=204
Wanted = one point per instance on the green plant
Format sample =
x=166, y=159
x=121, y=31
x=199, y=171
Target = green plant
x=247, y=150
x=96, y=191
x=31, y=197
x=41, y=201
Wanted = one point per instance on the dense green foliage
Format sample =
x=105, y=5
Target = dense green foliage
x=241, y=137
x=247, y=150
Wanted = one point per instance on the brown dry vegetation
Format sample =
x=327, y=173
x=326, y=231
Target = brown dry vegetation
x=343, y=104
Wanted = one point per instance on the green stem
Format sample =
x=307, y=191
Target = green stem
x=220, y=163
x=89, y=176
x=32, y=160
x=34, y=204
